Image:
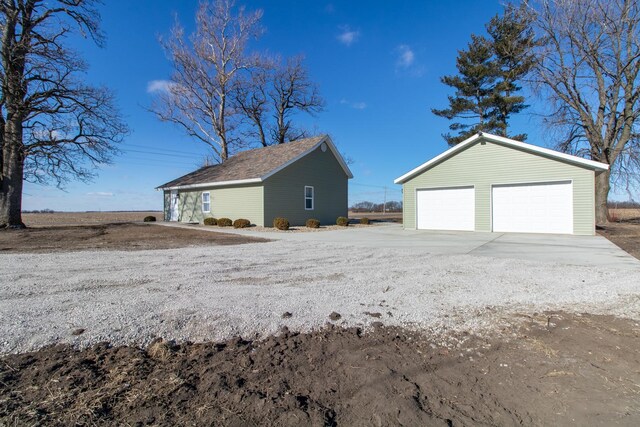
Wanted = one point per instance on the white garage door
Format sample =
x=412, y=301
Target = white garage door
x=446, y=209
x=533, y=208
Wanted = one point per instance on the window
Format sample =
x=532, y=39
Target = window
x=206, y=202
x=308, y=198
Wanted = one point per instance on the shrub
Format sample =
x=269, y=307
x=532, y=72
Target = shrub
x=241, y=223
x=313, y=223
x=210, y=221
x=364, y=220
x=149, y=218
x=342, y=221
x=224, y=222
x=281, y=223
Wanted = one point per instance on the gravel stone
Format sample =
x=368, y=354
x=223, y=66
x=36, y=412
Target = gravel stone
x=186, y=295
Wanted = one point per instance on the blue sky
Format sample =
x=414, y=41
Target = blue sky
x=377, y=63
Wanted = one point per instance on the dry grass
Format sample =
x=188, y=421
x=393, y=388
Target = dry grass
x=85, y=218
x=623, y=214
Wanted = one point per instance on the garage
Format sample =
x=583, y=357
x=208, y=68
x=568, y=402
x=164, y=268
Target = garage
x=490, y=183
x=533, y=208
x=446, y=208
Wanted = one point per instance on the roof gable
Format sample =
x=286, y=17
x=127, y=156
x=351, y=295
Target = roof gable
x=534, y=149
x=254, y=166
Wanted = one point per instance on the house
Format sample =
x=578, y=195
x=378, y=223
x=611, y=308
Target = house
x=491, y=183
x=302, y=179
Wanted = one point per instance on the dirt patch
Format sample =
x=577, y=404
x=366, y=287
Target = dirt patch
x=559, y=369
x=85, y=218
x=624, y=234
x=125, y=236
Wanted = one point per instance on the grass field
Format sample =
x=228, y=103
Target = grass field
x=85, y=218
x=623, y=214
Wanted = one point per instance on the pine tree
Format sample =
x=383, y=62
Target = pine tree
x=474, y=99
x=488, y=74
x=512, y=41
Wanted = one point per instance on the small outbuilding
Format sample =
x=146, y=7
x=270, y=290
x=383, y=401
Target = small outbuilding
x=299, y=180
x=492, y=183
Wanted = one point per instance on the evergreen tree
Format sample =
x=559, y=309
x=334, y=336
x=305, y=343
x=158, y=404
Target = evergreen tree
x=513, y=41
x=486, y=87
x=474, y=99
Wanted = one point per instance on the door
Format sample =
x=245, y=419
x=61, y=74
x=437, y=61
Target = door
x=533, y=208
x=173, y=205
x=446, y=209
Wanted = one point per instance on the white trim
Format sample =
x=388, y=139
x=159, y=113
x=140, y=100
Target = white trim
x=329, y=143
x=326, y=139
x=506, y=141
x=213, y=184
x=312, y=198
x=202, y=201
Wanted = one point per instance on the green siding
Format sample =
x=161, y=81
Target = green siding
x=167, y=198
x=487, y=163
x=284, y=191
x=238, y=201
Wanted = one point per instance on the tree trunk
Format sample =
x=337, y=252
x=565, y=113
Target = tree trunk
x=12, y=177
x=602, y=193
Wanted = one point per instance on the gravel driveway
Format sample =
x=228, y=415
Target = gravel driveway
x=203, y=293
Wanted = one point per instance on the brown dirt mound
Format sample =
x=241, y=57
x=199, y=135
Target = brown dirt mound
x=561, y=370
x=124, y=236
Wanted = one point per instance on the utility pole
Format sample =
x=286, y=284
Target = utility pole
x=384, y=205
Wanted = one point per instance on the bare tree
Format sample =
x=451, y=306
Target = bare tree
x=252, y=99
x=52, y=126
x=588, y=66
x=207, y=68
x=276, y=92
x=292, y=92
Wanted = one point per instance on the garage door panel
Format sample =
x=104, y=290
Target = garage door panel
x=533, y=208
x=446, y=209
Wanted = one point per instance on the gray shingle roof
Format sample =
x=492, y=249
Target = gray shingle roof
x=249, y=164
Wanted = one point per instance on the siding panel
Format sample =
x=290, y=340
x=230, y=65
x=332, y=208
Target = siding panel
x=231, y=202
x=167, y=201
x=487, y=163
x=284, y=191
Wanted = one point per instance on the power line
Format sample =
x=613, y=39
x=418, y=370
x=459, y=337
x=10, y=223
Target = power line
x=376, y=186
x=162, y=149
x=160, y=154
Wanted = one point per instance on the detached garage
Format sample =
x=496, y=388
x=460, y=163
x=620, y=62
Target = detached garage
x=491, y=183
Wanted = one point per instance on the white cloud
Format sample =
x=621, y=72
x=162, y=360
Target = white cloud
x=406, y=62
x=355, y=105
x=406, y=57
x=155, y=86
x=348, y=36
x=100, y=194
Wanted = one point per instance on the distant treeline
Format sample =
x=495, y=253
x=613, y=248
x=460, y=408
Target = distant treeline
x=40, y=211
x=391, y=206
x=624, y=205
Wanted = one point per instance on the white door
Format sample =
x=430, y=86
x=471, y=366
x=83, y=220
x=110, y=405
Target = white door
x=533, y=208
x=446, y=209
x=173, y=206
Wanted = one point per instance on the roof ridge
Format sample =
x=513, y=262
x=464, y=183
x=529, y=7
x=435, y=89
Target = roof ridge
x=254, y=164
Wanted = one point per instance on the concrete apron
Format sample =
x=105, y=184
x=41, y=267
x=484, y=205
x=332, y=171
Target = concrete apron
x=567, y=249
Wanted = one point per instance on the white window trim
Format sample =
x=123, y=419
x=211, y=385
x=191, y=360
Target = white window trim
x=313, y=198
x=202, y=202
